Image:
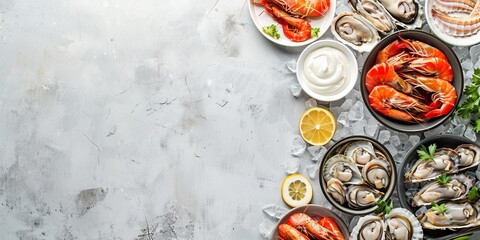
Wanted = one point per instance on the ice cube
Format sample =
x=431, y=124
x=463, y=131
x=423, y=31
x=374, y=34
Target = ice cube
x=399, y=157
x=383, y=136
x=353, y=223
x=346, y=105
x=412, y=141
x=372, y=127
x=459, y=130
x=311, y=103
x=421, y=211
x=395, y=141
x=358, y=127
x=475, y=53
x=470, y=134
x=393, y=150
x=457, y=120
x=462, y=52
x=354, y=95
x=341, y=132
x=295, y=89
x=266, y=228
x=312, y=170
x=274, y=211
x=292, y=65
x=426, y=28
x=317, y=152
x=291, y=166
x=356, y=113
x=402, y=136
x=436, y=131
x=298, y=146
x=343, y=119
x=335, y=111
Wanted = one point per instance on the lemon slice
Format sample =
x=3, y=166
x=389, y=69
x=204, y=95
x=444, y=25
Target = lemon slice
x=296, y=190
x=317, y=126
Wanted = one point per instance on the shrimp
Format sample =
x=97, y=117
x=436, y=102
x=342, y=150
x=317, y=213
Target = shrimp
x=389, y=51
x=444, y=95
x=422, y=49
x=331, y=225
x=288, y=232
x=295, y=29
x=304, y=8
x=305, y=223
x=431, y=66
x=394, y=104
x=384, y=73
x=400, y=60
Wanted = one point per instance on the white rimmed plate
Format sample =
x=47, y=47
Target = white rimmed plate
x=262, y=19
x=457, y=41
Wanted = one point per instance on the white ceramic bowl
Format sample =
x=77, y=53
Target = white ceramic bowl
x=457, y=41
x=262, y=19
x=351, y=66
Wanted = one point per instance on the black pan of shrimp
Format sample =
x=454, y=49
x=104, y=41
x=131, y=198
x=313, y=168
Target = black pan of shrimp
x=407, y=190
x=420, y=117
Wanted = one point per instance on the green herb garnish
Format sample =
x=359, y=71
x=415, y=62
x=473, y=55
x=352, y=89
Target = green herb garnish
x=383, y=207
x=463, y=238
x=444, y=179
x=473, y=195
x=471, y=106
x=439, y=208
x=272, y=31
x=425, y=154
x=314, y=32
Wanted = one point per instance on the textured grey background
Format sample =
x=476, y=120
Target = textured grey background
x=139, y=119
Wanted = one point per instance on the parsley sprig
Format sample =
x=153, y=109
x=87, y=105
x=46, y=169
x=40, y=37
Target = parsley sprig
x=473, y=195
x=471, y=106
x=439, y=208
x=314, y=32
x=384, y=207
x=444, y=179
x=427, y=154
x=271, y=30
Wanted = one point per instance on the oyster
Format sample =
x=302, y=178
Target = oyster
x=355, y=31
x=377, y=173
x=376, y=14
x=444, y=161
x=406, y=14
x=457, y=215
x=402, y=224
x=343, y=169
x=457, y=188
x=337, y=190
x=361, y=152
x=369, y=228
x=362, y=196
x=469, y=156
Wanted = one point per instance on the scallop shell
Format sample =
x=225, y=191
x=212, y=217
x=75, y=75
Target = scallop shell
x=341, y=167
x=355, y=31
x=372, y=223
x=405, y=217
x=376, y=14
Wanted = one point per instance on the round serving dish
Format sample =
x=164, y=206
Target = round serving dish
x=348, y=84
x=339, y=147
x=313, y=210
x=450, y=141
x=433, y=41
x=261, y=19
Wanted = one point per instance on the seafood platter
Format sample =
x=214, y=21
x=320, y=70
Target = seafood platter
x=455, y=22
x=355, y=173
x=419, y=72
x=300, y=22
x=314, y=221
x=438, y=183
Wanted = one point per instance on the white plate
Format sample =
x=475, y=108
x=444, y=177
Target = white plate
x=457, y=41
x=262, y=19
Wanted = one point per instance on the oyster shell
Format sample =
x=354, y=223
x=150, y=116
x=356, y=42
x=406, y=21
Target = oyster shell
x=362, y=196
x=377, y=173
x=376, y=14
x=342, y=168
x=355, y=31
x=457, y=188
x=361, y=152
x=469, y=156
x=444, y=161
x=457, y=216
x=369, y=228
x=406, y=14
x=402, y=224
x=337, y=190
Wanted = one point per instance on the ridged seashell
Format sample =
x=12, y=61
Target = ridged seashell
x=362, y=196
x=402, y=224
x=377, y=173
x=444, y=161
x=469, y=156
x=355, y=31
x=369, y=228
x=456, y=189
x=342, y=168
x=361, y=152
x=337, y=190
x=376, y=14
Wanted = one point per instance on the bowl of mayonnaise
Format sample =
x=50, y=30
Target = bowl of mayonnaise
x=327, y=70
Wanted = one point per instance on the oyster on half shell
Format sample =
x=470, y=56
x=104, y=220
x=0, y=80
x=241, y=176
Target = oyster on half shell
x=337, y=190
x=376, y=14
x=444, y=161
x=377, y=173
x=361, y=152
x=342, y=168
x=362, y=196
x=355, y=31
x=369, y=228
x=469, y=156
x=456, y=216
x=402, y=224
